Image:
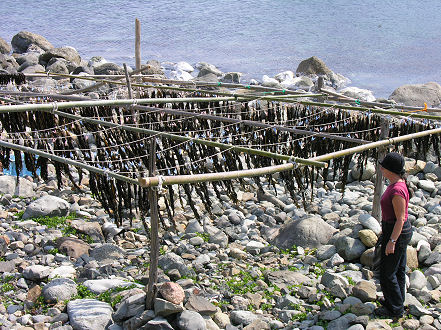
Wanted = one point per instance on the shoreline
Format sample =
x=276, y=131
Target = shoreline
x=30, y=52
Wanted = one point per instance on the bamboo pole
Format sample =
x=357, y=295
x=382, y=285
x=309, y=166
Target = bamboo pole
x=208, y=177
x=93, y=103
x=67, y=161
x=182, y=179
x=52, y=96
x=377, y=144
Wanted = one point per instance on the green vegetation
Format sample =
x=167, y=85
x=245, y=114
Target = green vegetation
x=107, y=296
x=19, y=215
x=53, y=251
x=204, y=236
x=319, y=270
x=299, y=317
x=60, y=223
x=350, y=280
x=292, y=252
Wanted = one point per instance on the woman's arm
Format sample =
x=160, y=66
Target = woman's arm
x=399, y=204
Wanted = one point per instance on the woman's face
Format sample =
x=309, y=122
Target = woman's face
x=386, y=173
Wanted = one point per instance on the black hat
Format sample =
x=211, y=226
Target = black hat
x=393, y=162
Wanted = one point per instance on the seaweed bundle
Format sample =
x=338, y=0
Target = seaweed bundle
x=17, y=78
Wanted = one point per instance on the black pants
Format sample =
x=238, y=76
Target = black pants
x=393, y=268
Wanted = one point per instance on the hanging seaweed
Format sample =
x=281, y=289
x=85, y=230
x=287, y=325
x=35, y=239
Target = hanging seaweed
x=17, y=78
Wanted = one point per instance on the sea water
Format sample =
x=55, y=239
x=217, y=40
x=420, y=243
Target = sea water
x=379, y=45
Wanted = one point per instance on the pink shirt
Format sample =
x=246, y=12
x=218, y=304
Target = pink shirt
x=387, y=210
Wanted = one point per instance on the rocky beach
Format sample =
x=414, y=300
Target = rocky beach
x=261, y=263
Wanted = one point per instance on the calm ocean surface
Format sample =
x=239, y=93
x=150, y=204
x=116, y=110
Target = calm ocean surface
x=379, y=45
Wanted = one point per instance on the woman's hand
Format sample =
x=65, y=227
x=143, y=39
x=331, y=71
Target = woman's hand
x=390, y=248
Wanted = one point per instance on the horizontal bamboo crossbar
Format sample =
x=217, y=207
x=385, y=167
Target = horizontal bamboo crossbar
x=186, y=179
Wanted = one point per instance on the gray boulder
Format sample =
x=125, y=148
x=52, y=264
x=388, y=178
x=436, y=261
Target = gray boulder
x=205, y=68
x=59, y=289
x=5, y=48
x=108, y=68
x=107, y=253
x=68, y=53
x=36, y=272
x=89, y=314
x=171, y=261
x=27, y=60
x=102, y=285
x=232, y=77
x=47, y=206
x=131, y=306
x=96, y=61
x=22, y=40
x=58, y=66
x=8, y=185
x=243, y=317
x=313, y=65
x=417, y=95
x=8, y=63
x=200, y=305
x=286, y=278
x=33, y=69
x=369, y=222
x=164, y=308
x=158, y=323
x=189, y=320
x=350, y=248
x=311, y=232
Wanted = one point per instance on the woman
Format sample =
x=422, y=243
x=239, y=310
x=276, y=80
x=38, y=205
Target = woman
x=397, y=232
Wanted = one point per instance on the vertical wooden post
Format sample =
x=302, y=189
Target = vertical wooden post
x=138, y=51
x=129, y=88
x=154, y=229
x=376, y=209
x=137, y=44
x=129, y=84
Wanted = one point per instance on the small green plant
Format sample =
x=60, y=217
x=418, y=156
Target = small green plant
x=291, y=252
x=53, y=251
x=299, y=317
x=319, y=270
x=204, y=236
x=350, y=280
x=19, y=214
x=7, y=279
x=5, y=287
x=266, y=306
